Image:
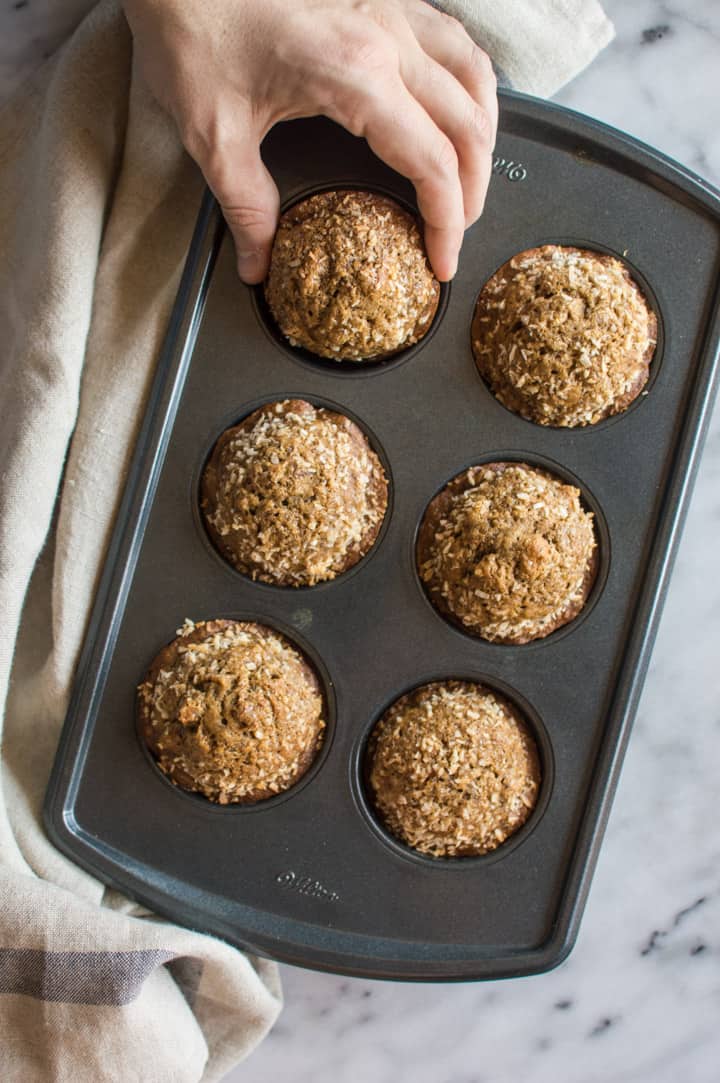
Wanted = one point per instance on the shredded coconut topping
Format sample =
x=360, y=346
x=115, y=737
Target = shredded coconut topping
x=349, y=279
x=563, y=336
x=231, y=710
x=294, y=495
x=508, y=552
x=453, y=769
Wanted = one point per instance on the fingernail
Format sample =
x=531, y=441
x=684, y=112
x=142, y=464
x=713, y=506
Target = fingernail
x=450, y=272
x=251, y=266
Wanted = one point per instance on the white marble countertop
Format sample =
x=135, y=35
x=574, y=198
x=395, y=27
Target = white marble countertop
x=638, y=1001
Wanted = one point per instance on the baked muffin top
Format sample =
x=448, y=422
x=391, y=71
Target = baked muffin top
x=563, y=336
x=294, y=494
x=508, y=552
x=231, y=710
x=349, y=279
x=453, y=769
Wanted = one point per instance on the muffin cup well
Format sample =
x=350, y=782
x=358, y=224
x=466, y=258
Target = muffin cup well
x=363, y=795
x=344, y=368
x=313, y=660
x=597, y=569
x=632, y=396
x=236, y=418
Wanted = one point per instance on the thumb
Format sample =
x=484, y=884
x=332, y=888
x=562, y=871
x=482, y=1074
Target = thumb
x=249, y=201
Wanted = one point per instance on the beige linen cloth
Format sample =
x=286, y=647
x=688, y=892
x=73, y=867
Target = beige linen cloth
x=97, y=205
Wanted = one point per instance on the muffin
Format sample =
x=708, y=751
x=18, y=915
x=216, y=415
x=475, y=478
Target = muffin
x=294, y=494
x=507, y=552
x=349, y=279
x=232, y=711
x=452, y=769
x=563, y=336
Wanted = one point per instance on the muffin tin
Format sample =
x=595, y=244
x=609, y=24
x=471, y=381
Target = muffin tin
x=311, y=877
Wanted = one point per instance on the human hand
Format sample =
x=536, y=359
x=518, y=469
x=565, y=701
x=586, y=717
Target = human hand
x=403, y=75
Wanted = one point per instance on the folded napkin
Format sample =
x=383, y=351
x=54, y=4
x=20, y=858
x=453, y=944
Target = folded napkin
x=536, y=45
x=97, y=205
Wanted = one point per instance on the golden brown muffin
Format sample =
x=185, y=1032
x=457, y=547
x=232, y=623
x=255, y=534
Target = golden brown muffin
x=563, y=336
x=349, y=279
x=231, y=710
x=453, y=769
x=294, y=494
x=507, y=552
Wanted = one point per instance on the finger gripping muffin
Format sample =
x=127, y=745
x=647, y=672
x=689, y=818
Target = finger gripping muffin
x=349, y=279
x=294, y=494
x=453, y=769
x=563, y=336
x=231, y=710
x=507, y=552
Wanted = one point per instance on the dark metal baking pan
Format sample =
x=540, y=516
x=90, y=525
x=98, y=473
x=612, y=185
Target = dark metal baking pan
x=311, y=877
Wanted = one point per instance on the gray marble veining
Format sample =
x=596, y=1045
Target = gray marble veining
x=638, y=1001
